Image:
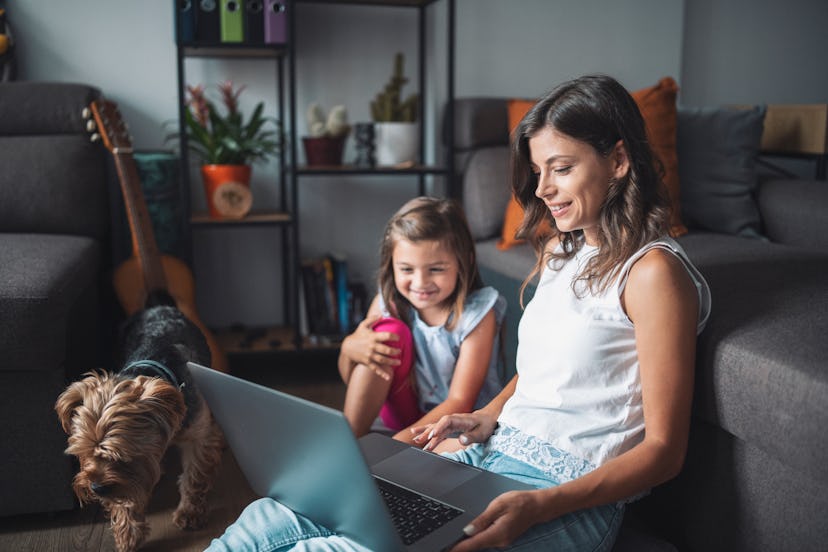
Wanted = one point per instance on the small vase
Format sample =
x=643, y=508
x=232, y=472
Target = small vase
x=232, y=177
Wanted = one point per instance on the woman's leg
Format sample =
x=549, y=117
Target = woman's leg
x=593, y=529
x=368, y=393
x=268, y=526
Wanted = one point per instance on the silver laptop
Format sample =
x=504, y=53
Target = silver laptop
x=305, y=456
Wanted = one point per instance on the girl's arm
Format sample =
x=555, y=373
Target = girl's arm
x=470, y=372
x=662, y=302
x=365, y=346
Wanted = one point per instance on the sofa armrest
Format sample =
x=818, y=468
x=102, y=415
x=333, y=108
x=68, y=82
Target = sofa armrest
x=795, y=212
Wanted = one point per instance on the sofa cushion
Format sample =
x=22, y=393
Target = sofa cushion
x=485, y=193
x=68, y=170
x=717, y=149
x=761, y=358
x=41, y=275
x=793, y=212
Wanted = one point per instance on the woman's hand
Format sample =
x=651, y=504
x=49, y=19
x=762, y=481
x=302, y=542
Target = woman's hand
x=505, y=519
x=367, y=347
x=474, y=427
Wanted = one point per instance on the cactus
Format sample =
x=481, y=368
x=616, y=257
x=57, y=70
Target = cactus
x=335, y=125
x=387, y=105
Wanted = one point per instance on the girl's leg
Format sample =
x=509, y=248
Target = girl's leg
x=367, y=392
x=400, y=408
x=268, y=526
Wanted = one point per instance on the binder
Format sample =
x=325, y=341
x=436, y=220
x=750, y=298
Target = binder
x=184, y=21
x=232, y=20
x=207, y=21
x=254, y=21
x=275, y=22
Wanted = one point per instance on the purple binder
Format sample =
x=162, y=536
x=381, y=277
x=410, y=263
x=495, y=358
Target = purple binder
x=275, y=22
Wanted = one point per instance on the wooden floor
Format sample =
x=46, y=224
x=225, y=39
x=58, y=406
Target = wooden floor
x=87, y=529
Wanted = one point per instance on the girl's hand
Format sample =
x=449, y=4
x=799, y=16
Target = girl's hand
x=474, y=427
x=505, y=519
x=367, y=347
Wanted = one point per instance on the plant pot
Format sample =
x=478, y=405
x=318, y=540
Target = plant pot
x=227, y=189
x=324, y=150
x=396, y=143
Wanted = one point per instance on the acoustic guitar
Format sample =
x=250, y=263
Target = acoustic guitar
x=147, y=270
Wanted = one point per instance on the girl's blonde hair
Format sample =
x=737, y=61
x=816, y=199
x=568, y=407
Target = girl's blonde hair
x=429, y=219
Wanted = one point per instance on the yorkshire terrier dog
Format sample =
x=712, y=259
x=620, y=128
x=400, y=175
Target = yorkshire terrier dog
x=120, y=425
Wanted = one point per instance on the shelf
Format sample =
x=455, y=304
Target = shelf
x=344, y=170
x=389, y=3
x=234, y=50
x=276, y=339
x=254, y=218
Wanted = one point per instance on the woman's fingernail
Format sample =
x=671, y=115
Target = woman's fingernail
x=469, y=530
x=431, y=434
x=464, y=439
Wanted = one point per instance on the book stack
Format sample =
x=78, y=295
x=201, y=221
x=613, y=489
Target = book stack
x=333, y=305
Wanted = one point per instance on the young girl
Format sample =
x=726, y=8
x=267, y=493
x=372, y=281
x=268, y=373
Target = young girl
x=429, y=343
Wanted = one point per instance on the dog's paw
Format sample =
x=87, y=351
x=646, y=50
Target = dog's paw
x=130, y=539
x=190, y=518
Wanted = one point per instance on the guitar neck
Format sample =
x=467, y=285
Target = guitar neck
x=143, y=240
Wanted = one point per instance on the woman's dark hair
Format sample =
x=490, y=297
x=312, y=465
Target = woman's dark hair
x=429, y=219
x=596, y=110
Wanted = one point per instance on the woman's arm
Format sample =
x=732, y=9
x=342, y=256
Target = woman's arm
x=474, y=427
x=470, y=372
x=365, y=346
x=662, y=302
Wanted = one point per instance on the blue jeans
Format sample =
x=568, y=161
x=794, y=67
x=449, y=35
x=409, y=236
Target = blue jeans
x=268, y=526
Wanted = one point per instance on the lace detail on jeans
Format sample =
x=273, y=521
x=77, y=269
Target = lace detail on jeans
x=557, y=464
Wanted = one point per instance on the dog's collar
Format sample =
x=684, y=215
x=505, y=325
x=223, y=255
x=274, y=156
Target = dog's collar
x=153, y=368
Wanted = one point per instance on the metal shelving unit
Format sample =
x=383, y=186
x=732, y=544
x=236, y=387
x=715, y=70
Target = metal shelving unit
x=444, y=169
x=290, y=172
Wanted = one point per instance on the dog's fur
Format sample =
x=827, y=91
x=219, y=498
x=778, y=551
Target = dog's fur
x=121, y=425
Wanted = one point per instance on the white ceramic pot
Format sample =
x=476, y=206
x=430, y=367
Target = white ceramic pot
x=396, y=143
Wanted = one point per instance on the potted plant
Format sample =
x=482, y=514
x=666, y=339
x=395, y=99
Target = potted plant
x=396, y=131
x=326, y=135
x=227, y=145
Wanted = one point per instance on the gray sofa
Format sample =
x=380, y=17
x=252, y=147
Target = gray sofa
x=54, y=227
x=756, y=474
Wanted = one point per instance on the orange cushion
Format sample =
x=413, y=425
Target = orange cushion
x=658, y=107
x=516, y=108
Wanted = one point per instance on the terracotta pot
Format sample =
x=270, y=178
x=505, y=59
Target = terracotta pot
x=324, y=150
x=214, y=176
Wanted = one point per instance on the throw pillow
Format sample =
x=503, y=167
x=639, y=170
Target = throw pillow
x=516, y=109
x=658, y=107
x=718, y=149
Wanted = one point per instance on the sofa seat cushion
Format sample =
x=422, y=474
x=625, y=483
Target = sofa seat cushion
x=762, y=374
x=41, y=276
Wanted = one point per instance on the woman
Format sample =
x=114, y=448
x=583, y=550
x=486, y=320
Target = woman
x=606, y=345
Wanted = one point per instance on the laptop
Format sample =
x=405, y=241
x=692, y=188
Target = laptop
x=305, y=456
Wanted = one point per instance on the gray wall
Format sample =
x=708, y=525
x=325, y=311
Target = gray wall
x=720, y=51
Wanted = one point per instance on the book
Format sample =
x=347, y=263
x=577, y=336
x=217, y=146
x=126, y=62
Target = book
x=318, y=295
x=340, y=287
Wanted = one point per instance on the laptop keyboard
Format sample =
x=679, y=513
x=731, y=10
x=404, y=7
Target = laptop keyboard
x=414, y=515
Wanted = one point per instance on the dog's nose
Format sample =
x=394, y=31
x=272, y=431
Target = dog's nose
x=100, y=489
